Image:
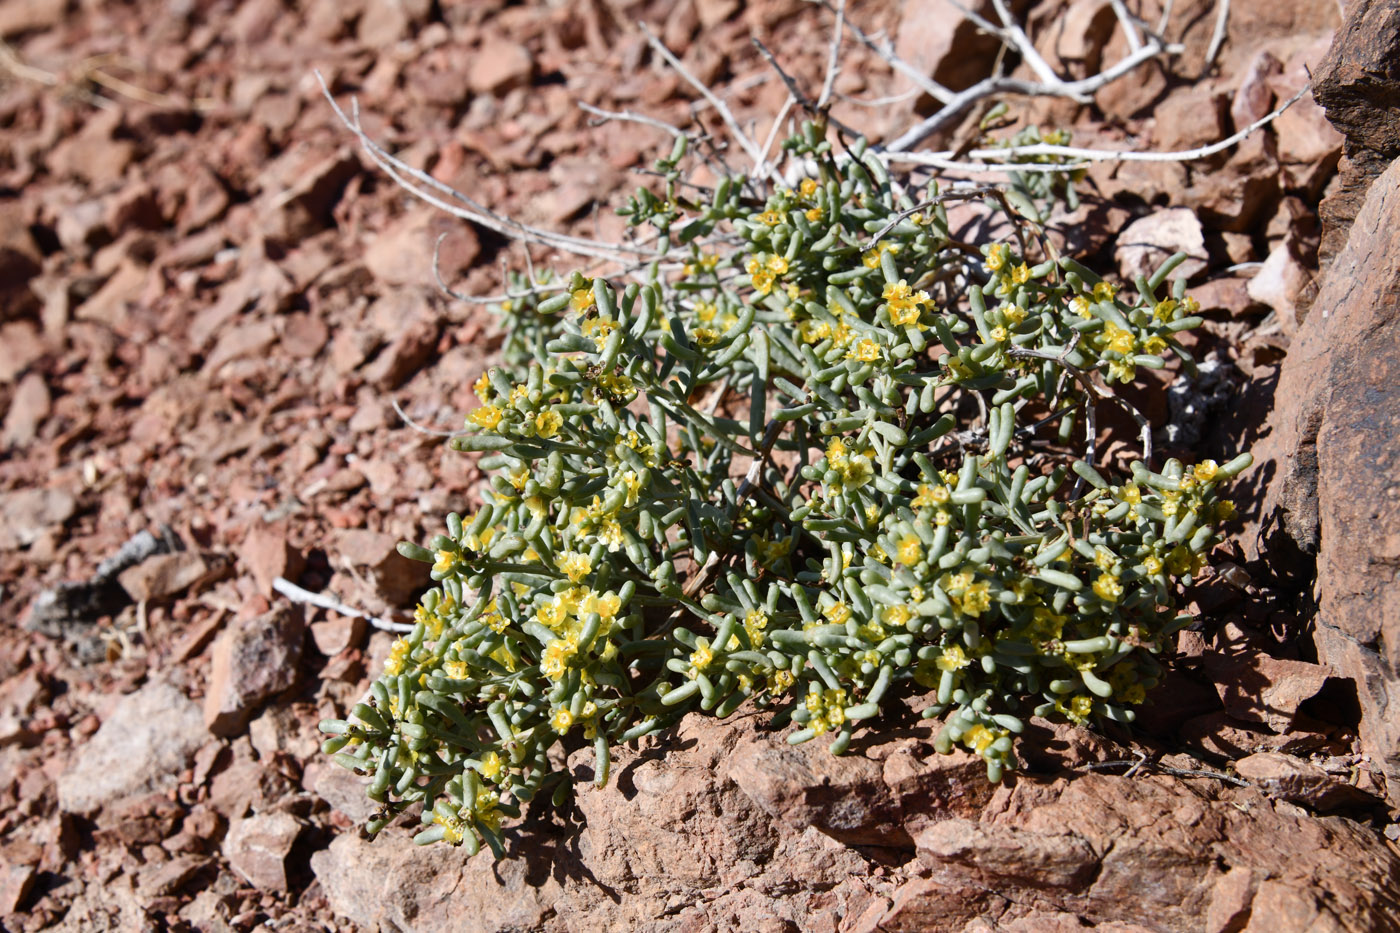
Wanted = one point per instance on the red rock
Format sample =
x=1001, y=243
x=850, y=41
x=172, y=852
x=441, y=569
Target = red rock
x=267, y=554
x=944, y=45
x=83, y=226
x=16, y=881
x=20, y=698
x=499, y=66
x=1332, y=435
x=396, y=579
x=334, y=635
x=29, y=407
x=405, y=355
x=403, y=253
x=1297, y=781
x=1254, y=98
x=1151, y=240
x=384, y=22
x=1084, y=31
x=1280, y=283
x=162, y=576
x=24, y=16
x=110, y=304
x=140, y=748
x=247, y=340
x=1190, y=118
x=251, y=662
x=28, y=513
x=257, y=847
x=1245, y=189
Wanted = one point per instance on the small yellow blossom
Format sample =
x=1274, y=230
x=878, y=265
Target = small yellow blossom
x=487, y=416
x=909, y=551
x=770, y=218
x=561, y=721
x=996, y=257
x=953, y=658
x=581, y=299
x=575, y=565
x=491, y=766
x=777, y=265
x=1107, y=588
x=548, y=423
x=808, y=187
x=1205, y=470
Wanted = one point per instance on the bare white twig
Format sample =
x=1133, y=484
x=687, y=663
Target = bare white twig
x=833, y=56
x=761, y=169
x=1014, y=35
x=422, y=186
x=1125, y=20
x=631, y=117
x=930, y=87
x=403, y=416
x=748, y=145
x=1217, y=38
x=943, y=159
x=298, y=595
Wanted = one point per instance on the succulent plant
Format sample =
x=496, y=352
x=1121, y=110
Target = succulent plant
x=831, y=458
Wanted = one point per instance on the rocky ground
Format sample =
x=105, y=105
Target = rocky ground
x=210, y=304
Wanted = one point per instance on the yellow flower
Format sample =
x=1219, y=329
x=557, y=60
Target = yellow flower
x=487, y=416
x=547, y=423
x=1105, y=291
x=835, y=451
x=978, y=738
x=777, y=265
x=996, y=257
x=909, y=551
x=814, y=214
x=837, y=613
x=1000, y=334
x=1080, y=708
x=1118, y=340
x=1107, y=588
x=808, y=187
x=561, y=721
x=1131, y=493
x=705, y=336
x=1165, y=310
x=897, y=615
x=1190, y=306
x=952, y=659
x=491, y=766
x=866, y=350
x=581, y=299
x=575, y=565
x=1021, y=274
x=446, y=560
x=1014, y=313
x=1152, y=564
x=1080, y=306
x=702, y=656
x=763, y=282
x=397, y=655
x=1154, y=345
x=1205, y=470
x=931, y=495
x=977, y=599
x=482, y=388
x=770, y=218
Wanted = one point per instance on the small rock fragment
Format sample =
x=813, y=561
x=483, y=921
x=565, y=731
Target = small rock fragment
x=1298, y=781
x=268, y=554
x=140, y=748
x=249, y=663
x=161, y=576
x=257, y=847
x=25, y=514
x=1151, y=240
